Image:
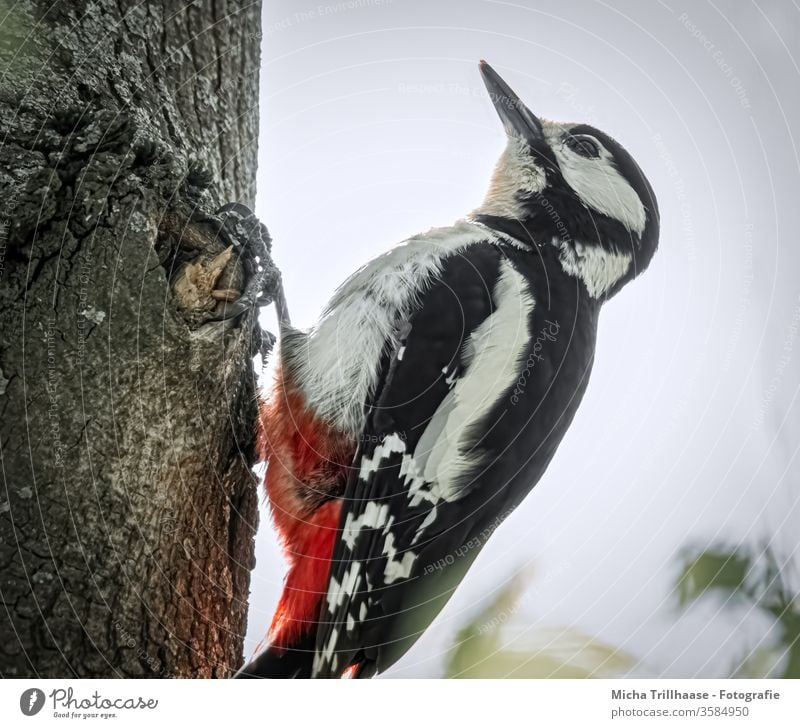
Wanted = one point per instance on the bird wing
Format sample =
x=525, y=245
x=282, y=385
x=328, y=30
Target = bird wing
x=456, y=361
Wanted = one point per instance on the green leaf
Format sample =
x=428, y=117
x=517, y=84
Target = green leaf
x=482, y=651
x=713, y=570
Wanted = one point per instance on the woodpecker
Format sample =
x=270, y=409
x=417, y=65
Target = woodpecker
x=433, y=392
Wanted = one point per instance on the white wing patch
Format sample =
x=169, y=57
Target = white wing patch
x=497, y=347
x=418, y=488
x=336, y=363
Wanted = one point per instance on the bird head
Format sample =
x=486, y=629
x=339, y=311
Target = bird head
x=573, y=186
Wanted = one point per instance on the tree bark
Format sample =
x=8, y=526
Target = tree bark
x=128, y=507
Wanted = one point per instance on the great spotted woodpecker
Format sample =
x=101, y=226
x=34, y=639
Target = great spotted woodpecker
x=435, y=389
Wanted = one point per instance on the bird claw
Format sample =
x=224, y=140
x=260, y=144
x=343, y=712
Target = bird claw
x=245, y=233
x=229, y=295
x=231, y=311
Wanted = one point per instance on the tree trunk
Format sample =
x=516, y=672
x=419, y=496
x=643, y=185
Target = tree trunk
x=128, y=506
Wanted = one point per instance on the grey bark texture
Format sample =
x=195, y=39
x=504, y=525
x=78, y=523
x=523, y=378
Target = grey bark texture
x=128, y=506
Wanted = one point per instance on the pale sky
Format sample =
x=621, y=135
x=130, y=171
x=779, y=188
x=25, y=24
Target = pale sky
x=375, y=126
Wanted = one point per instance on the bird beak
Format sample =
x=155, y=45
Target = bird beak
x=517, y=118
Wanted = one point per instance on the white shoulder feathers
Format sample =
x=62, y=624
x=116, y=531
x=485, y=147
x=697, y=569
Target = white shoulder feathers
x=335, y=364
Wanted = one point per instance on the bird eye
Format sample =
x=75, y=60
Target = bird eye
x=583, y=145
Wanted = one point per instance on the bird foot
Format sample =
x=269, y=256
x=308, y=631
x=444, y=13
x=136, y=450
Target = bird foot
x=223, y=284
x=250, y=241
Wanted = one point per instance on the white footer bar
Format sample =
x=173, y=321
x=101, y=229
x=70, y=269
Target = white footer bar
x=403, y=703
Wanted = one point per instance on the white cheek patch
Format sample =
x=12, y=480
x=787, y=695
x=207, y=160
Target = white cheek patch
x=516, y=172
x=598, y=184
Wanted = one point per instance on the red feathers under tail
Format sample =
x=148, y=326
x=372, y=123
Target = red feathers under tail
x=307, y=462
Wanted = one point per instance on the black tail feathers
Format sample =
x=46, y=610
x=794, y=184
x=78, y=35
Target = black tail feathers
x=274, y=663
x=295, y=662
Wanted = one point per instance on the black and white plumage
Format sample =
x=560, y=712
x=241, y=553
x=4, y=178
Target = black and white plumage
x=455, y=363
